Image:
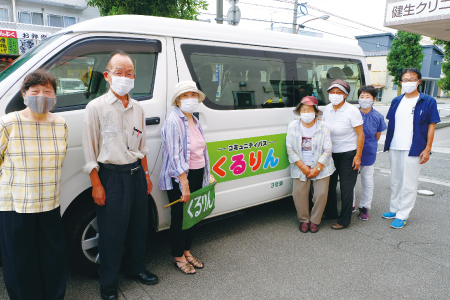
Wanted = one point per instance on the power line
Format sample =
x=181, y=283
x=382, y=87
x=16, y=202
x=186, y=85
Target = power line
x=326, y=32
x=334, y=15
x=267, y=7
x=257, y=20
x=285, y=8
x=348, y=20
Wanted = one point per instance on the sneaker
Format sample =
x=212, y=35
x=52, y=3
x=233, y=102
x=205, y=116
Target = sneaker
x=354, y=209
x=364, y=214
x=397, y=223
x=388, y=215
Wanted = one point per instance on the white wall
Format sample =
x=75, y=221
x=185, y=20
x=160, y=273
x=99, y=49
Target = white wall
x=379, y=75
x=80, y=14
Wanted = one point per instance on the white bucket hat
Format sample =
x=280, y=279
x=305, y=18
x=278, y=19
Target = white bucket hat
x=184, y=87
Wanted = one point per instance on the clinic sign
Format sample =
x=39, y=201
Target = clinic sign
x=241, y=158
x=415, y=9
x=17, y=42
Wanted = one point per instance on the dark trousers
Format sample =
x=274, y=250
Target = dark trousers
x=347, y=176
x=181, y=240
x=34, y=255
x=122, y=222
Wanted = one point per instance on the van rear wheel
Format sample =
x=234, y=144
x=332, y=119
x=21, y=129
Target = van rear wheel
x=82, y=239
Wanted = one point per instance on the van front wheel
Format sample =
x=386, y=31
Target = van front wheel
x=82, y=235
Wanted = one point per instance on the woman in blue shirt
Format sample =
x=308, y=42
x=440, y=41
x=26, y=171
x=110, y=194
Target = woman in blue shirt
x=373, y=125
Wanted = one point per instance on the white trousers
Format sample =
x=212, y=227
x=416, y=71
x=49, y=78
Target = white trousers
x=366, y=173
x=405, y=172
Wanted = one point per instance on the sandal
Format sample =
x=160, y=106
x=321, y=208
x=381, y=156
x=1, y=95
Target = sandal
x=197, y=264
x=186, y=268
x=337, y=226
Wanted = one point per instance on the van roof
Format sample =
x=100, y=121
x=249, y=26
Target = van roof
x=159, y=26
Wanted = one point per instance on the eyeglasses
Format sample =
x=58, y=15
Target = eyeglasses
x=118, y=74
x=409, y=80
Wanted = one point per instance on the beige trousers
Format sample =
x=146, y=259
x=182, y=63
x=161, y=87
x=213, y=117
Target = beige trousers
x=300, y=193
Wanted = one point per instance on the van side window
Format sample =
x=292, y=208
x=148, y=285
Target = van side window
x=314, y=74
x=79, y=70
x=234, y=78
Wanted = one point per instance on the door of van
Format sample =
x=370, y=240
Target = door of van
x=83, y=61
x=245, y=117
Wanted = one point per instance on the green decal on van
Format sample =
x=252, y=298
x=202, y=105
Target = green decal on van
x=236, y=159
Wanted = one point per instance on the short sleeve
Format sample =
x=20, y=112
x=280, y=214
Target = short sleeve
x=433, y=113
x=355, y=117
x=91, y=137
x=381, y=124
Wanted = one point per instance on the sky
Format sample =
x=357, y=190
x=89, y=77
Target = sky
x=366, y=12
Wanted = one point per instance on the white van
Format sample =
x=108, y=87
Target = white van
x=252, y=80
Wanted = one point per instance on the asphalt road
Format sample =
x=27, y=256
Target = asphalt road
x=261, y=254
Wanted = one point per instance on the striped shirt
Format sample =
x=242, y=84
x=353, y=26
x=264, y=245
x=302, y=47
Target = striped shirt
x=31, y=159
x=321, y=149
x=177, y=150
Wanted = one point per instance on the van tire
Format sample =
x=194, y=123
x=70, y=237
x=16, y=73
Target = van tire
x=76, y=226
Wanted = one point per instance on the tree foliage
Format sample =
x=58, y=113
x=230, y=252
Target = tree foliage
x=444, y=82
x=179, y=9
x=406, y=52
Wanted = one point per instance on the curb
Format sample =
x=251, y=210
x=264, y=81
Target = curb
x=442, y=124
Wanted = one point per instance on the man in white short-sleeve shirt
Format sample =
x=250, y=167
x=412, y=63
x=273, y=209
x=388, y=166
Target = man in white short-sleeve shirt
x=412, y=119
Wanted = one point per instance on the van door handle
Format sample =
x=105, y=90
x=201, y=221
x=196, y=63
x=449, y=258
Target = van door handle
x=152, y=121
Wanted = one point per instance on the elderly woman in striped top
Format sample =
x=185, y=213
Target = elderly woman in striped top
x=185, y=168
x=33, y=144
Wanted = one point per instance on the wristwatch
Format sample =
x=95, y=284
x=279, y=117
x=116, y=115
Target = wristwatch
x=319, y=169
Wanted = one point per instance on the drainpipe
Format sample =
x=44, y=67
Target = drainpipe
x=14, y=11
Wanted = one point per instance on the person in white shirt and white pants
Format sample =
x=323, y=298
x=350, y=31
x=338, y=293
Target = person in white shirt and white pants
x=412, y=119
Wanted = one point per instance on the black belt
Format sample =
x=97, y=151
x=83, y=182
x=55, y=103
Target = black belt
x=119, y=169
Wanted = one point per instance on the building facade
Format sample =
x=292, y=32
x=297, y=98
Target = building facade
x=376, y=48
x=428, y=18
x=24, y=23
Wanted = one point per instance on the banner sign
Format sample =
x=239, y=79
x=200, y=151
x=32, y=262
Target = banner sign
x=236, y=159
x=201, y=204
x=18, y=42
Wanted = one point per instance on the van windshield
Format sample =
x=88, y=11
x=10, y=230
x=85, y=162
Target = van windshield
x=27, y=56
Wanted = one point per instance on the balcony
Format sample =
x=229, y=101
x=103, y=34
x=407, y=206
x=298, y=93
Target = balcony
x=70, y=4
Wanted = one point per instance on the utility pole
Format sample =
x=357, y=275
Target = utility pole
x=294, y=21
x=219, y=11
x=14, y=11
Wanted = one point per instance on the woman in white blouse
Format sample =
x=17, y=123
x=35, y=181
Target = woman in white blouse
x=347, y=136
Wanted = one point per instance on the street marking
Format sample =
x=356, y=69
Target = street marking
x=421, y=178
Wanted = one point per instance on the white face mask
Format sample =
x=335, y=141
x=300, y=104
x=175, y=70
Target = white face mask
x=307, y=117
x=189, y=105
x=365, y=103
x=121, y=85
x=409, y=87
x=335, y=99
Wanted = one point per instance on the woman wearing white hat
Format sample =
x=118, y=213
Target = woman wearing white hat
x=185, y=168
